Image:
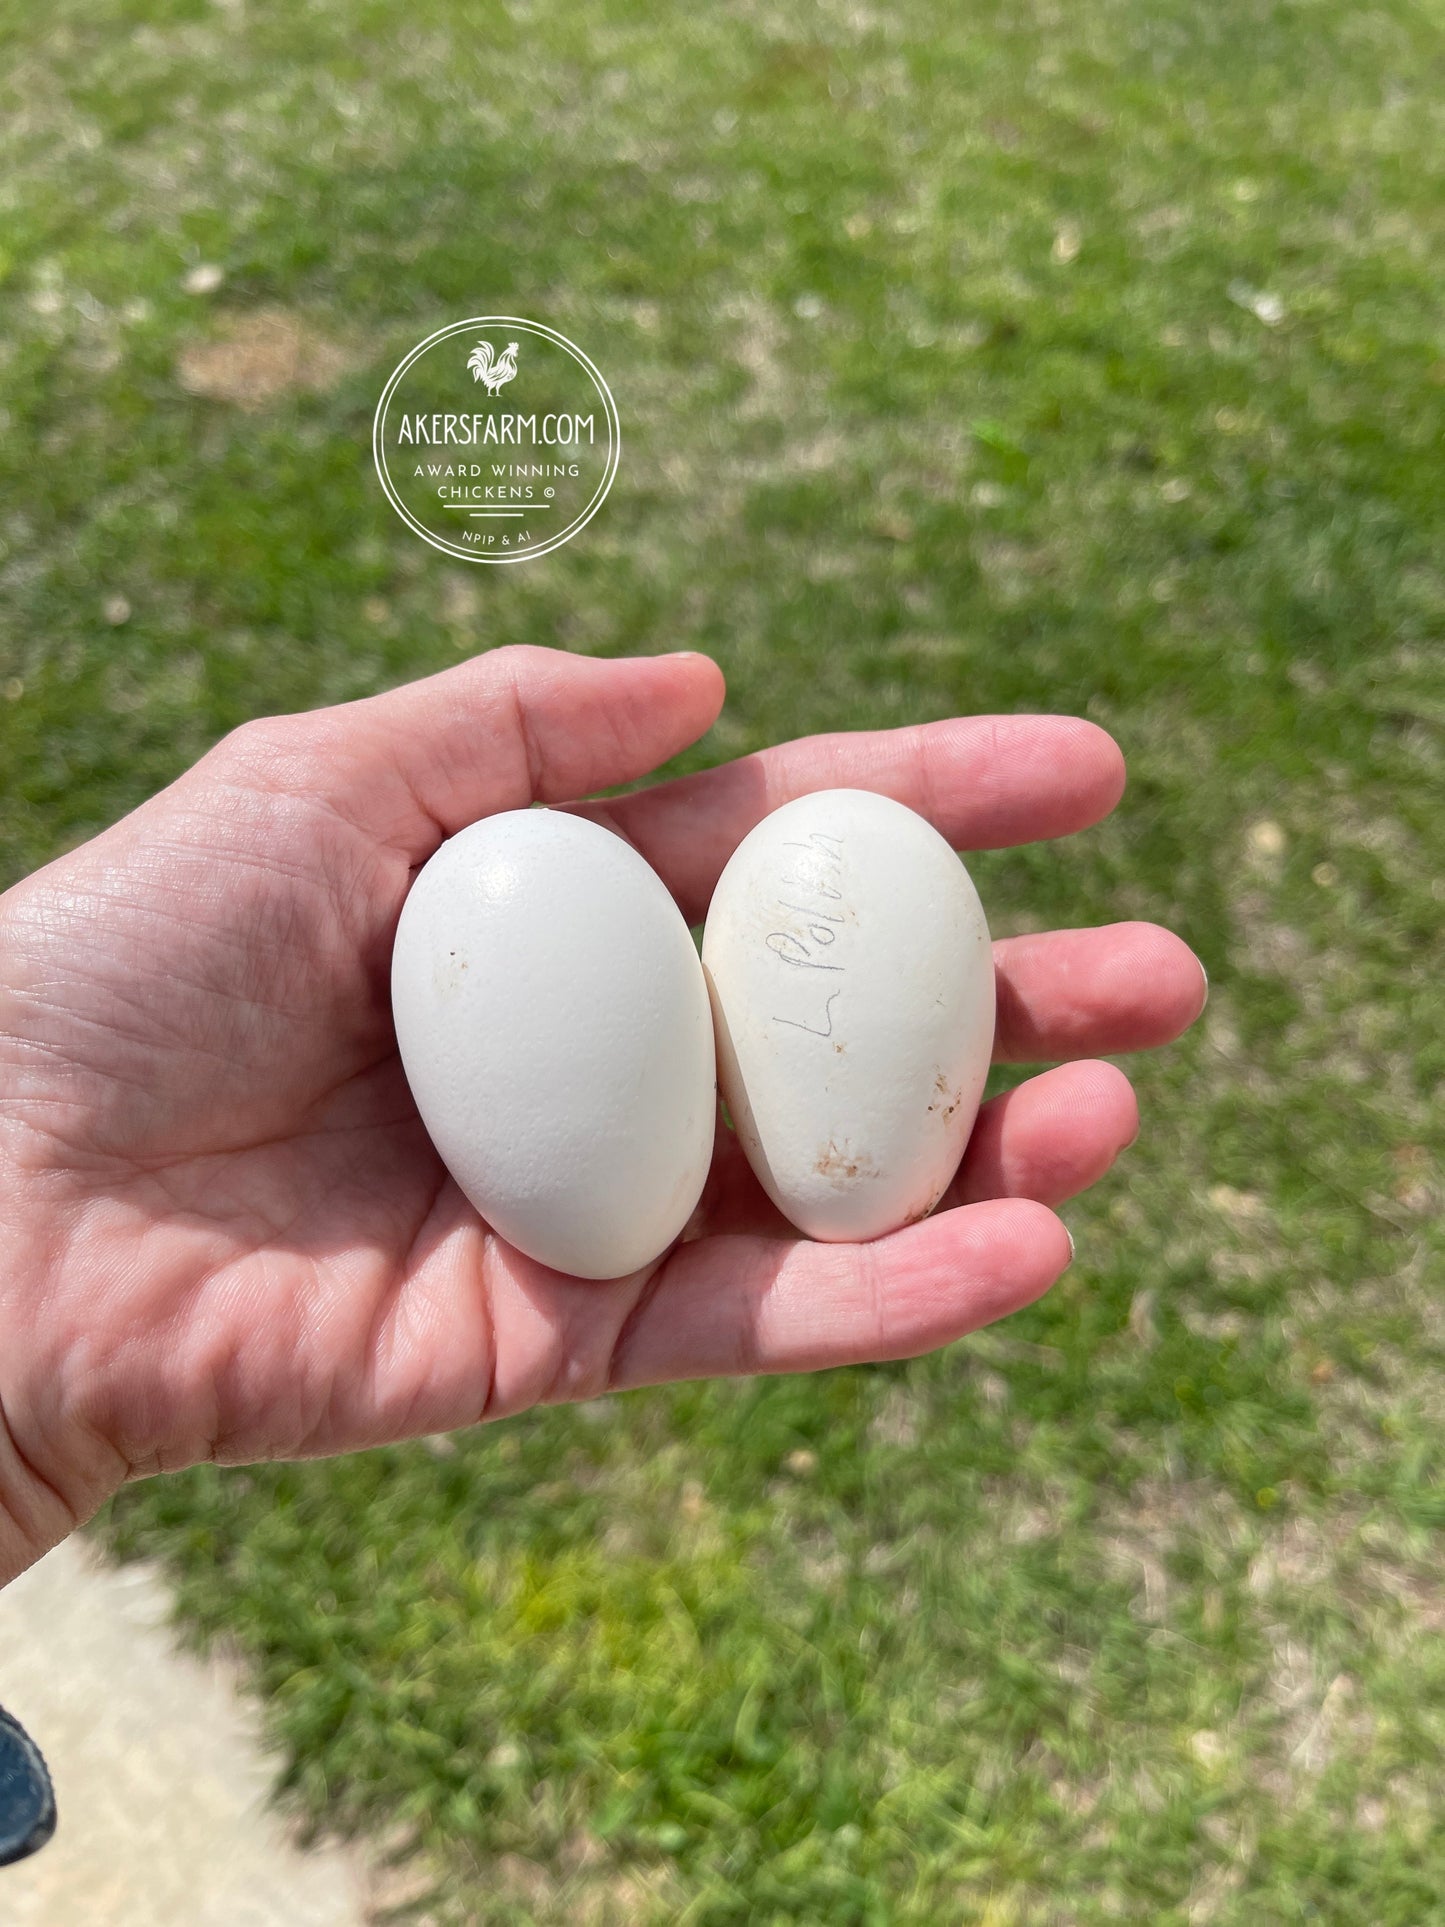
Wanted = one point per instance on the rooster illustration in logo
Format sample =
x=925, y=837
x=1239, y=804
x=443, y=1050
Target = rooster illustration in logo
x=495, y=372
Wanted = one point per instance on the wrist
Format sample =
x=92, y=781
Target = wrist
x=32, y=1519
x=36, y=1512
x=17, y=1553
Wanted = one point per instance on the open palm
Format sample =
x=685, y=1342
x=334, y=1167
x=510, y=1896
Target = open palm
x=227, y=1233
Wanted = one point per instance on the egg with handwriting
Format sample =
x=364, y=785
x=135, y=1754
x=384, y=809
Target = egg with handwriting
x=852, y=985
x=553, y=1023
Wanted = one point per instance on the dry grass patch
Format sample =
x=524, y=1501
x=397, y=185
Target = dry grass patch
x=257, y=358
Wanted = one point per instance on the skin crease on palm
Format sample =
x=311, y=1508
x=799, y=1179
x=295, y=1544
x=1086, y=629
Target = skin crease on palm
x=227, y=1234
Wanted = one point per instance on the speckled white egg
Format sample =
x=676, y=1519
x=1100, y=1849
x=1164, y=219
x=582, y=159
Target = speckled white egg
x=553, y=1023
x=853, y=996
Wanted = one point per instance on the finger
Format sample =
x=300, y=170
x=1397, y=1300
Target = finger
x=732, y=1306
x=1088, y=993
x=982, y=781
x=516, y=726
x=1050, y=1138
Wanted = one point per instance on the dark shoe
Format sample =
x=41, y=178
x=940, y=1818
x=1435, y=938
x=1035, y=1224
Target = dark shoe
x=27, y=1802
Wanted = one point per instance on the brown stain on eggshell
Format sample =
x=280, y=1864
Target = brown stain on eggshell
x=844, y=1167
x=447, y=973
x=916, y=1215
x=945, y=1103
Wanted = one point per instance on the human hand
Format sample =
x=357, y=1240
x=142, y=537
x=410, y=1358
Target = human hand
x=227, y=1235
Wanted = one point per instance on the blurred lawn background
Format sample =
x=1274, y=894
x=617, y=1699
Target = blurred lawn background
x=1017, y=356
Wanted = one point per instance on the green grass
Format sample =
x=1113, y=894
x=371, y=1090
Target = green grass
x=991, y=358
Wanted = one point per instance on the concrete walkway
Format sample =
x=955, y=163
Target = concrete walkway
x=159, y=1777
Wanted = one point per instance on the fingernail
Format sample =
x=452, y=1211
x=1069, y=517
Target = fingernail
x=1205, y=975
x=1072, y=1246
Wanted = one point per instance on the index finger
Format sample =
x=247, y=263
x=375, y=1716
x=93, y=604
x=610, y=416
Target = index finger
x=984, y=782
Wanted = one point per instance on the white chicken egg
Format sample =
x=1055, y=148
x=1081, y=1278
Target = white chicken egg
x=853, y=996
x=553, y=1023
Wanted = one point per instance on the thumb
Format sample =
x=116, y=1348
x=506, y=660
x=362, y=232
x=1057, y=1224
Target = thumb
x=516, y=726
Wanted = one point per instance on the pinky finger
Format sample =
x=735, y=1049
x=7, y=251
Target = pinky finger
x=1049, y=1138
x=732, y=1306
